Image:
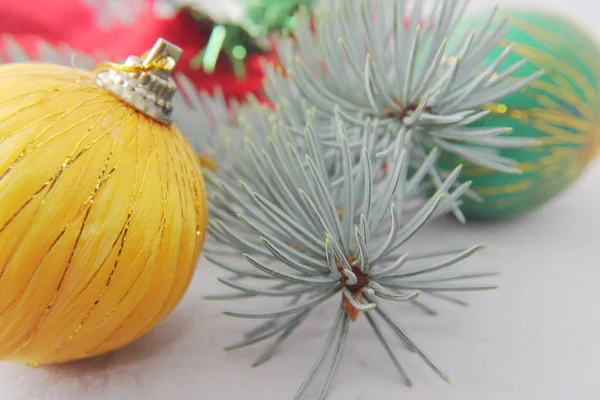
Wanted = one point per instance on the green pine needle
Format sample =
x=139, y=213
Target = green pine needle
x=309, y=236
x=364, y=61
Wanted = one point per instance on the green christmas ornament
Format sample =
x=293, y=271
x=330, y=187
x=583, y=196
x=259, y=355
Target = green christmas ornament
x=240, y=26
x=561, y=110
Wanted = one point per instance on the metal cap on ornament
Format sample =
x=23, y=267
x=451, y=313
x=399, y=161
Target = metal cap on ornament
x=144, y=82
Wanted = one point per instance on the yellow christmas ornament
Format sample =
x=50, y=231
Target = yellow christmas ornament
x=102, y=206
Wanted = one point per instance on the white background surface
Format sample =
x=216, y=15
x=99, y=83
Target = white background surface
x=538, y=337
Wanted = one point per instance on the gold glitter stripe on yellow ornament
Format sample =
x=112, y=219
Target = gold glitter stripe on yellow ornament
x=104, y=210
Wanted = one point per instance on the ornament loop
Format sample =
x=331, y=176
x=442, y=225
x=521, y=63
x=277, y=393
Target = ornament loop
x=144, y=82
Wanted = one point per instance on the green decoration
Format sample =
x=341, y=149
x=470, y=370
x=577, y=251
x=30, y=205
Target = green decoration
x=561, y=110
x=238, y=38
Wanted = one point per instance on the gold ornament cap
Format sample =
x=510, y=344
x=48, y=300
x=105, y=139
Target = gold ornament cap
x=145, y=82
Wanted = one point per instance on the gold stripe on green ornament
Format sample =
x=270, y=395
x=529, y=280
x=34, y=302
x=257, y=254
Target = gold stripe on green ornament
x=560, y=109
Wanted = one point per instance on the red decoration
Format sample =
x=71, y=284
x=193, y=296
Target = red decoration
x=71, y=22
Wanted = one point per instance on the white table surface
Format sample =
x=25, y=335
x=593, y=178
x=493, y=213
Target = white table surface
x=538, y=337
